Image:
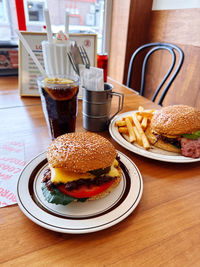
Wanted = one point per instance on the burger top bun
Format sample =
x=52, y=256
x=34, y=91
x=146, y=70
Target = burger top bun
x=176, y=120
x=81, y=152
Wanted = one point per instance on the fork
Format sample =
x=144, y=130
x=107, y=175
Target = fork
x=84, y=56
x=71, y=59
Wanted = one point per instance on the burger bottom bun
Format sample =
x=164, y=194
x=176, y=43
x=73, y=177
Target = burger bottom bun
x=160, y=144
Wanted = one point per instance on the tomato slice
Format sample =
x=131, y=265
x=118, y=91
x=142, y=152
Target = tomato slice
x=84, y=191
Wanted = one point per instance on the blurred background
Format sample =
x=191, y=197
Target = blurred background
x=86, y=16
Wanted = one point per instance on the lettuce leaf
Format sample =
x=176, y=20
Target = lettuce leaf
x=192, y=136
x=56, y=197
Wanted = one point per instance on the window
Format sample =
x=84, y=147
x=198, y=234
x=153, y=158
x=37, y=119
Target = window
x=85, y=16
x=34, y=11
x=3, y=13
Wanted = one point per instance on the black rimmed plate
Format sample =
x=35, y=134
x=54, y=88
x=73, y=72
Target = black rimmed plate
x=78, y=217
x=153, y=152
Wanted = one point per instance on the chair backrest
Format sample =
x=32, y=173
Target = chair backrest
x=171, y=48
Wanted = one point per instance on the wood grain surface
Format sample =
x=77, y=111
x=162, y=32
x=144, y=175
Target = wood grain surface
x=164, y=229
x=134, y=24
x=180, y=27
x=119, y=29
x=138, y=29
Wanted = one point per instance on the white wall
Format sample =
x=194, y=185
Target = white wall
x=175, y=4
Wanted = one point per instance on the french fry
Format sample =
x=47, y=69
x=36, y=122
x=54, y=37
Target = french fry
x=148, y=114
x=144, y=123
x=138, y=136
x=139, y=117
x=132, y=127
x=123, y=130
x=141, y=108
x=145, y=141
x=130, y=130
x=130, y=118
x=126, y=136
x=120, y=123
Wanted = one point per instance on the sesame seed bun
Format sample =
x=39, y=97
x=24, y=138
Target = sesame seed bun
x=81, y=152
x=176, y=120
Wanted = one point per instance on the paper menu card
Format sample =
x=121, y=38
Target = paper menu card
x=11, y=164
x=27, y=68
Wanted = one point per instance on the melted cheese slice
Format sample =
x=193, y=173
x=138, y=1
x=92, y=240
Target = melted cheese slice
x=60, y=175
x=113, y=170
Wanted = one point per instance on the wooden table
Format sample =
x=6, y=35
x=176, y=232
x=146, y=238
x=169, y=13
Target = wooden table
x=164, y=229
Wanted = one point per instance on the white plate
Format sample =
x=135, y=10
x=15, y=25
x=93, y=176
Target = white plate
x=78, y=217
x=152, y=153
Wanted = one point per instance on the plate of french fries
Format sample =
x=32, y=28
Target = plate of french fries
x=128, y=130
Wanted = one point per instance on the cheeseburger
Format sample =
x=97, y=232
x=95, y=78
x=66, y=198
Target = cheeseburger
x=82, y=166
x=176, y=129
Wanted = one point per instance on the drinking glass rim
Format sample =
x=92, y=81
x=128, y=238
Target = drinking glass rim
x=74, y=78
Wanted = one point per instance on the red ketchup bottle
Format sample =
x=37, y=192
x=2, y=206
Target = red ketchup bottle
x=102, y=63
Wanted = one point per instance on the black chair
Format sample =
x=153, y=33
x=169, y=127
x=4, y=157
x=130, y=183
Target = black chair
x=154, y=47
